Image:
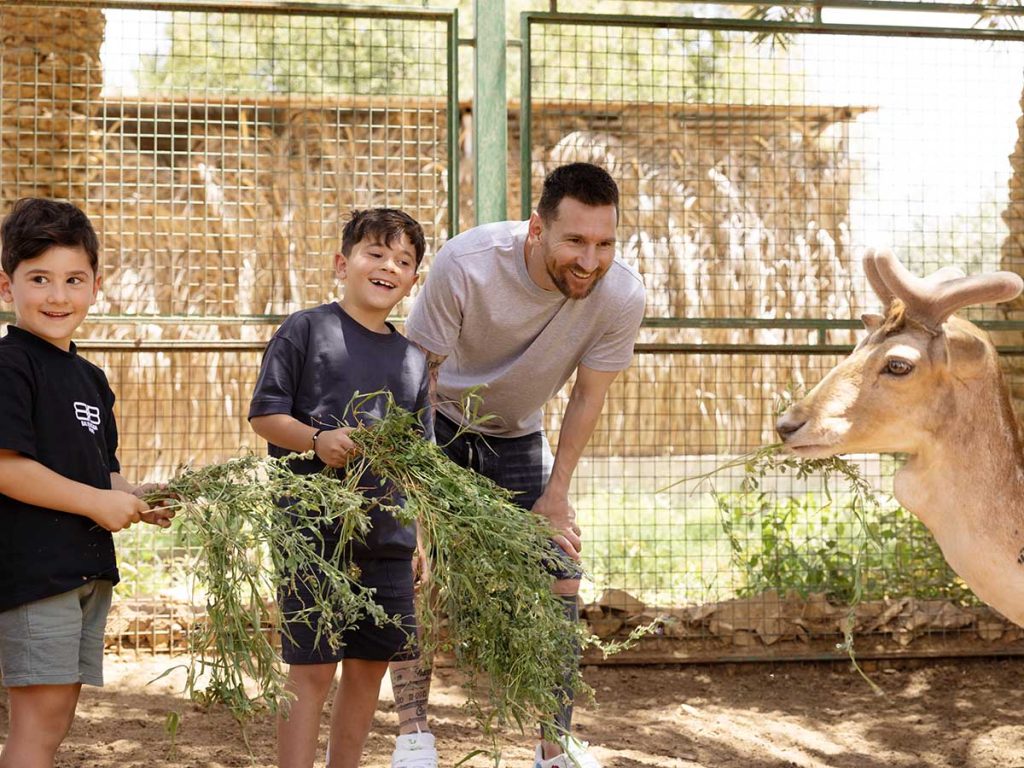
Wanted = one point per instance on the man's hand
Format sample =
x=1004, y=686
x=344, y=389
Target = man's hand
x=335, y=448
x=117, y=510
x=562, y=516
x=421, y=566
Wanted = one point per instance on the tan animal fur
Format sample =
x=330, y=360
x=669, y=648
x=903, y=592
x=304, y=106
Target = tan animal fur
x=928, y=384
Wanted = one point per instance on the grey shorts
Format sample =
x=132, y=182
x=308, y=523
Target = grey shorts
x=57, y=640
x=518, y=464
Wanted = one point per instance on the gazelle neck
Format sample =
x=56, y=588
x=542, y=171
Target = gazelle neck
x=967, y=487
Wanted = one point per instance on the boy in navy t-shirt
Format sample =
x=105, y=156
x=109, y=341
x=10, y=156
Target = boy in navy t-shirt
x=313, y=366
x=61, y=494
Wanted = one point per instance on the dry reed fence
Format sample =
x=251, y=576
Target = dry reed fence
x=206, y=210
x=242, y=222
x=1011, y=257
x=235, y=210
x=729, y=211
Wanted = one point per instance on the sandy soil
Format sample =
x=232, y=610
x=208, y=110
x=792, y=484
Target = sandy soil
x=962, y=714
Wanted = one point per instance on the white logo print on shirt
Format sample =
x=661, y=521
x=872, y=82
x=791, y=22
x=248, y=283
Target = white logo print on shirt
x=88, y=416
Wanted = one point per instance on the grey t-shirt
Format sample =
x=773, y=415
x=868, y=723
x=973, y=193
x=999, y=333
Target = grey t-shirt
x=318, y=359
x=505, y=334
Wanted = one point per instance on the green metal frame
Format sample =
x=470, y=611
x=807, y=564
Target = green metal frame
x=490, y=113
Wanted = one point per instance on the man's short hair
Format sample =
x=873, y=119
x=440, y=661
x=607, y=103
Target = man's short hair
x=36, y=224
x=588, y=183
x=382, y=225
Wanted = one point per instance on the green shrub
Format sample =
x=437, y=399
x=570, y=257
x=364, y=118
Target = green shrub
x=812, y=544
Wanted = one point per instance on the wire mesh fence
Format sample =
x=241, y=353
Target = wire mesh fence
x=218, y=152
x=755, y=161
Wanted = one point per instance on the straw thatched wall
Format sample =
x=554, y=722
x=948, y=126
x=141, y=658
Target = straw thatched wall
x=214, y=211
x=1011, y=258
x=729, y=211
x=49, y=91
x=211, y=210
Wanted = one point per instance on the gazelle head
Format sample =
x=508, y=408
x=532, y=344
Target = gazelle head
x=896, y=390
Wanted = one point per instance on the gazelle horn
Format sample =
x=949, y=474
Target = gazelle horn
x=932, y=300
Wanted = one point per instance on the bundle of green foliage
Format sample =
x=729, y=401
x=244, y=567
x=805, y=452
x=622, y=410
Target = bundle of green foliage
x=489, y=602
x=850, y=542
x=246, y=550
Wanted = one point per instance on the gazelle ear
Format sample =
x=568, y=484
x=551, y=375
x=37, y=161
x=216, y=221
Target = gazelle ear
x=871, y=321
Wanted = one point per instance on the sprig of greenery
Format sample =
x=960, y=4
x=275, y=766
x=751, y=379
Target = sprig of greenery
x=861, y=500
x=247, y=549
x=490, y=602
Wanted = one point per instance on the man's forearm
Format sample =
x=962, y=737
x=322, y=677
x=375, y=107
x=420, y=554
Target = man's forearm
x=433, y=371
x=578, y=424
x=581, y=414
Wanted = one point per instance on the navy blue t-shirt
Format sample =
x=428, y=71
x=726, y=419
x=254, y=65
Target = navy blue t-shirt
x=318, y=359
x=57, y=409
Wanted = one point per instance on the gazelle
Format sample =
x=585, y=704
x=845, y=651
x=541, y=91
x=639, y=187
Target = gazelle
x=928, y=384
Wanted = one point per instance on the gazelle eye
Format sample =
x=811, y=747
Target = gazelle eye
x=897, y=366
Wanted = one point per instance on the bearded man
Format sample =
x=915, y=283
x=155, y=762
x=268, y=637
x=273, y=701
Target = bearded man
x=511, y=311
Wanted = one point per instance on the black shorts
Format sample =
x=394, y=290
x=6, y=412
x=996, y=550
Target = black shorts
x=518, y=464
x=393, y=581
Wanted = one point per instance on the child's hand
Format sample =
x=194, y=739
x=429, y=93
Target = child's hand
x=117, y=510
x=158, y=516
x=159, y=513
x=335, y=448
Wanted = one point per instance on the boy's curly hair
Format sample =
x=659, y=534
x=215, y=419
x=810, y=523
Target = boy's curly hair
x=382, y=225
x=35, y=224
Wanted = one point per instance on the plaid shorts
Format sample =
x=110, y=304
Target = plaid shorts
x=518, y=464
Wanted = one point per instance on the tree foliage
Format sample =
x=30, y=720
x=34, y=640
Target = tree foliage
x=341, y=55
x=297, y=54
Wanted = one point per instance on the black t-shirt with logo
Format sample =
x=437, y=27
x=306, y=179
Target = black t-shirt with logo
x=318, y=359
x=57, y=409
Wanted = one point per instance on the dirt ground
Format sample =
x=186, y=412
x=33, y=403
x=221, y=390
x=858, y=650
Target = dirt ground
x=962, y=714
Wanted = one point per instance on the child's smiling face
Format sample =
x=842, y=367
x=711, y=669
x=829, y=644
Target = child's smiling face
x=377, y=276
x=52, y=293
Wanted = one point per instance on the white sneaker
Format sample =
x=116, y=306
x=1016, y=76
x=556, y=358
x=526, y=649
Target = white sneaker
x=414, y=750
x=576, y=755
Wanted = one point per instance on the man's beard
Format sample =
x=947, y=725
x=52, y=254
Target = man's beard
x=562, y=283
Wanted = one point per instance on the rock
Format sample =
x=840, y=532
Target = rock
x=606, y=627
x=951, y=616
x=642, y=619
x=744, y=639
x=990, y=629
x=818, y=608
x=620, y=600
x=592, y=612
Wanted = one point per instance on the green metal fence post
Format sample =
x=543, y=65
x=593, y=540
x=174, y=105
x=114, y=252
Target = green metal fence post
x=453, y=123
x=525, y=119
x=490, y=114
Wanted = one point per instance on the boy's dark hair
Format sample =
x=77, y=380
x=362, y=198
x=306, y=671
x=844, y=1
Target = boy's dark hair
x=382, y=225
x=35, y=224
x=585, y=182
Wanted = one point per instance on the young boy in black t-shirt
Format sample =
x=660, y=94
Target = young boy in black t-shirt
x=318, y=359
x=61, y=493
